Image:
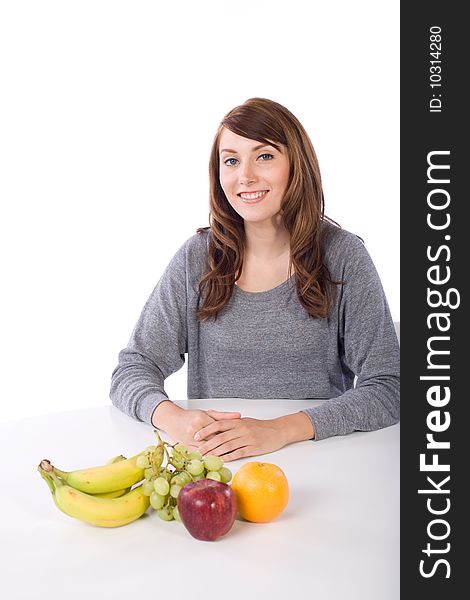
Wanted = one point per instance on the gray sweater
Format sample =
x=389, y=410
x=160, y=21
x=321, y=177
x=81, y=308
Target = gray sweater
x=265, y=345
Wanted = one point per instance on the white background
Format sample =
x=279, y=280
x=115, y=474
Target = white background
x=107, y=115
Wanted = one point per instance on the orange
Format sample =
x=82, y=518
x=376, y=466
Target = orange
x=262, y=491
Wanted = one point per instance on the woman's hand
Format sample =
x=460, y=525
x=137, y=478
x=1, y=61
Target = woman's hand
x=181, y=424
x=238, y=438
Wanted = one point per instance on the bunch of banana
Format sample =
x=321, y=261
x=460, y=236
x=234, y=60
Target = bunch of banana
x=101, y=495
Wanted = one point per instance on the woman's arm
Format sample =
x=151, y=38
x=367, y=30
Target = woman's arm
x=368, y=347
x=296, y=427
x=157, y=345
x=155, y=350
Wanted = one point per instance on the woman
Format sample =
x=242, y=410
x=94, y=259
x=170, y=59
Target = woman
x=273, y=300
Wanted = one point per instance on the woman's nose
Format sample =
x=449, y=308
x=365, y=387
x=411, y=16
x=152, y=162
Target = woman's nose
x=247, y=174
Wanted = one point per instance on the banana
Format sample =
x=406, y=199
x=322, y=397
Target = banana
x=115, y=459
x=102, y=512
x=116, y=493
x=112, y=477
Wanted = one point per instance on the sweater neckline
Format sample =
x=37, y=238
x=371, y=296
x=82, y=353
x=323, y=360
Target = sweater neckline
x=267, y=294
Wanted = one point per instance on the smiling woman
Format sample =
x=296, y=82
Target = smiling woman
x=254, y=181
x=264, y=243
x=272, y=300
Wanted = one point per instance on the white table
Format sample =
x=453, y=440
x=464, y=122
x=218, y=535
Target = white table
x=338, y=539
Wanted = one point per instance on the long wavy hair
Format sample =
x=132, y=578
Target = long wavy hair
x=302, y=211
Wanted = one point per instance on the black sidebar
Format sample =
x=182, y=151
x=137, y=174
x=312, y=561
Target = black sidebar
x=435, y=162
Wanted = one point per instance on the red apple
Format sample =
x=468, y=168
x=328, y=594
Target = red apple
x=207, y=508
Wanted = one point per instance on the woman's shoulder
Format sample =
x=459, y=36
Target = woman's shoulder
x=197, y=246
x=192, y=254
x=189, y=262
x=335, y=238
x=342, y=248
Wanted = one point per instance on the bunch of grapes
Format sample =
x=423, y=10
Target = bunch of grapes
x=168, y=468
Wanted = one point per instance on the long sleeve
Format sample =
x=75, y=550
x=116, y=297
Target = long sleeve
x=157, y=345
x=368, y=347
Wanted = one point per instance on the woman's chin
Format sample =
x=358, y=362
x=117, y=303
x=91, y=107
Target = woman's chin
x=263, y=220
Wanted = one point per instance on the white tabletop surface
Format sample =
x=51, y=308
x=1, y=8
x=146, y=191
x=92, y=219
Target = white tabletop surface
x=338, y=538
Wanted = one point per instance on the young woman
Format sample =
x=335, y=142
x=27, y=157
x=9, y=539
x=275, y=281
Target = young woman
x=273, y=300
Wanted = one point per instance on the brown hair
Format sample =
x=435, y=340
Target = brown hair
x=302, y=212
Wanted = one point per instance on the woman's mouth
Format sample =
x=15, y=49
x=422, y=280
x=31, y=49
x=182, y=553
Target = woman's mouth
x=252, y=197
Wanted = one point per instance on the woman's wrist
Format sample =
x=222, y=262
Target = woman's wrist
x=163, y=413
x=296, y=427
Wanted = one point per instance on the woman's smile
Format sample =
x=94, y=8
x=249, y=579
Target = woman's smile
x=253, y=197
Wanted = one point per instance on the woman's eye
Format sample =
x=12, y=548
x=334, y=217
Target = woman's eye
x=230, y=162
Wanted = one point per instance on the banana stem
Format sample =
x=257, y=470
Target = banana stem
x=47, y=479
x=53, y=471
x=47, y=472
x=45, y=465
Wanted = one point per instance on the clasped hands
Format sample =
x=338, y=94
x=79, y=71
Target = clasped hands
x=225, y=434
x=239, y=437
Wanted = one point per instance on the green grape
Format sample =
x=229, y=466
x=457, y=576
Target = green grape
x=195, y=455
x=147, y=487
x=178, y=480
x=178, y=462
x=161, y=486
x=166, y=474
x=148, y=473
x=157, y=501
x=142, y=462
x=213, y=463
x=198, y=477
x=175, y=490
x=215, y=475
x=165, y=513
x=195, y=467
x=185, y=477
x=225, y=475
x=180, y=449
x=176, y=514
x=150, y=449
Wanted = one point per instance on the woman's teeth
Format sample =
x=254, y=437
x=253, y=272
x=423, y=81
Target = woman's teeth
x=252, y=195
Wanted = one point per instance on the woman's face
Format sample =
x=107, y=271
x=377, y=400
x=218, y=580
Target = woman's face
x=253, y=176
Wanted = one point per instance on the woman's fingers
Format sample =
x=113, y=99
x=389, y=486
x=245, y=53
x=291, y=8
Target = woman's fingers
x=214, y=427
x=219, y=415
x=221, y=443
